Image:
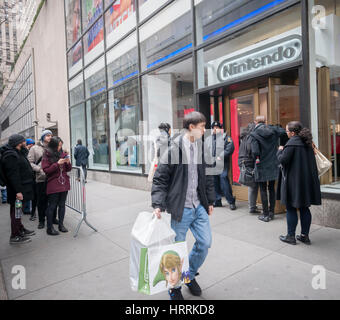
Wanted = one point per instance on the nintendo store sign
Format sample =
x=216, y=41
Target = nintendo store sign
x=259, y=59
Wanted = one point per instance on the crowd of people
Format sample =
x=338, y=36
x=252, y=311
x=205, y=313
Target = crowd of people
x=268, y=152
x=33, y=176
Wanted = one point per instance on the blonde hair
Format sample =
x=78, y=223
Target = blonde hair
x=170, y=261
x=260, y=119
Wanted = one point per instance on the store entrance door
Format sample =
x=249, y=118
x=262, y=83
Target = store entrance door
x=277, y=98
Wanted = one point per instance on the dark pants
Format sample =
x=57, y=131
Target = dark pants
x=56, y=200
x=42, y=200
x=264, y=187
x=16, y=225
x=223, y=187
x=292, y=220
x=84, y=167
x=35, y=199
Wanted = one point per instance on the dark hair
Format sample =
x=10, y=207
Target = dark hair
x=53, y=148
x=193, y=118
x=79, y=141
x=303, y=133
x=164, y=126
x=250, y=127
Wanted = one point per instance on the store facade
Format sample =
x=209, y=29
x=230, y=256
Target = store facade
x=135, y=63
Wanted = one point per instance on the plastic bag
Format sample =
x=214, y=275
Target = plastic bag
x=147, y=232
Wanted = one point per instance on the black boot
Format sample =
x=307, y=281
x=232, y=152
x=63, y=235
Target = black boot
x=62, y=228
x=271, y=215
x=41, y=225
x=288, y=239
x=52, y=232
x=303, y=238
x=218, y=203
x=264, y=217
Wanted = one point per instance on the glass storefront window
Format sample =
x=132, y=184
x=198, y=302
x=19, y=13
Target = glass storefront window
x=97, y=132
x=73, y=22
x=269, y=44
x=76, y=90
x=214, y=17
x=92, y=9
x=93, y=42
x=95, y=81
x=167, y=97
x=122, y=61
x=166, y=35
x=119, y=20
x=77, y=115
x=124, y=127
x=75, y=59
x=147, y=7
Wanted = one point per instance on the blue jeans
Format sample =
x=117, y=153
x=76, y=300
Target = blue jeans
x=223, y=187
x=292, y=220
x=197, y=220
x=4, y=195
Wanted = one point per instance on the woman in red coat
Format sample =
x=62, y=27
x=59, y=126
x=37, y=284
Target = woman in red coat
x=56, y=163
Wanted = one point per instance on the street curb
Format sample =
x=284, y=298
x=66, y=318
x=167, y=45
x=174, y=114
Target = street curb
x=3, y=292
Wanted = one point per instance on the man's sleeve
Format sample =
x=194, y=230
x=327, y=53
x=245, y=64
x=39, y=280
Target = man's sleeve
x=11, y=166
x=228, y=147
x=210, y=189
x=32, y=160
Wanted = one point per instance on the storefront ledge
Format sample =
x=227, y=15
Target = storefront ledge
x=328, y=214
x=133, y=181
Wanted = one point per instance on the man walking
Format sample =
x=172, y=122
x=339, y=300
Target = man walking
x=222, y=147
x=182, y=188
x=19, y=181
x=81, y=154
x=35, y=156
x=267, y=165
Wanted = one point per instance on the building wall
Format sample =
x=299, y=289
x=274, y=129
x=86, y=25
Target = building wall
x=46, y=45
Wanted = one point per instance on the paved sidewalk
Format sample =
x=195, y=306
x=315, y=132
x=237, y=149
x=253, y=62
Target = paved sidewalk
x=246, y=261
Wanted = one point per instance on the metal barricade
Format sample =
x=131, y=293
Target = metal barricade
x=76, y=198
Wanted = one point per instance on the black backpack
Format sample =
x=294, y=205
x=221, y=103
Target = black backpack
x=3, y=179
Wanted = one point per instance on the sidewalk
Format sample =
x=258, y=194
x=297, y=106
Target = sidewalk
x=246, y=261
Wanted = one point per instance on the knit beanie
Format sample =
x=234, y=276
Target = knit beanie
x=15, y=139
x=44, y=133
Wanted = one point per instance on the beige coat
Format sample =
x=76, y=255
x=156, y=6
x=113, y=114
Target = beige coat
x=35, y=153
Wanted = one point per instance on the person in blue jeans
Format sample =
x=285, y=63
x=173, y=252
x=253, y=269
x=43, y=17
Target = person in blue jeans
x=182, y=187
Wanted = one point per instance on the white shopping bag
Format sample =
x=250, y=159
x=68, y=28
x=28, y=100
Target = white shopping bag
x=147, y=232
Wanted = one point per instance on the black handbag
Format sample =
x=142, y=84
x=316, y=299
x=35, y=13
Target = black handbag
x=247, y=176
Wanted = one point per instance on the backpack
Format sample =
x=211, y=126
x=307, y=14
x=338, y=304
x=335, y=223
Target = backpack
x=3, y=179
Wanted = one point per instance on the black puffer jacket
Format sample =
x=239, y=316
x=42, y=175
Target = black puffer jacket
x=18, y=172
x=170, y=182
x=268, y=138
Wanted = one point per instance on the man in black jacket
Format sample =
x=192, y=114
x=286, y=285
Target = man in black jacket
x=19, y=181
x=81, y=154
x=222, y=148
x=182, y=188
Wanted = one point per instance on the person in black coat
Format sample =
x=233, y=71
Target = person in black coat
x=182, y=187
x=81, y=154
x=19, y=182
x=267, y=166
x=299, y=185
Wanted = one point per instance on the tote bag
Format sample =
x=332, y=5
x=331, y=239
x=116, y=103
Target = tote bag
x=322, y=162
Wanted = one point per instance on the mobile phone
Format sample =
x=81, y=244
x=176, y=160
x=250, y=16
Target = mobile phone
x=67, y=156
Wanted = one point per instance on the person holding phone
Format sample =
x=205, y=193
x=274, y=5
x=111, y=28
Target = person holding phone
x=56, y=163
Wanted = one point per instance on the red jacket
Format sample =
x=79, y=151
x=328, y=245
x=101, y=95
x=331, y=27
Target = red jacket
x=57, y=178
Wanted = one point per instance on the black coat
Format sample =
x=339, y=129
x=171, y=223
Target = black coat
x=268, y=139
x=170, y=182
x=249, y=147
x=19, y=173
x=299, y=184
x=81, y=154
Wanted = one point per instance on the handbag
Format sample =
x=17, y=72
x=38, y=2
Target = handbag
x=322, y=162
x=247, y=177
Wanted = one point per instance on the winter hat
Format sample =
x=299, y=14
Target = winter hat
x=15, y=139
x=160, y=276
x=216, y=124
x=44, y=133
x=29, y=141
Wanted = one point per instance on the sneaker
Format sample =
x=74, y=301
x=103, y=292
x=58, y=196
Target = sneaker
x=217, y=204
x=303, y=238
x=232, y=206
x=176, y=294
x=264, y=218
x=288, y=239
x=19, y=239
x=194, y=288
x=27, y=233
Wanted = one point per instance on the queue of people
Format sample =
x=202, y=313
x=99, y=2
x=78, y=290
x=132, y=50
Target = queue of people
x=34, y=175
